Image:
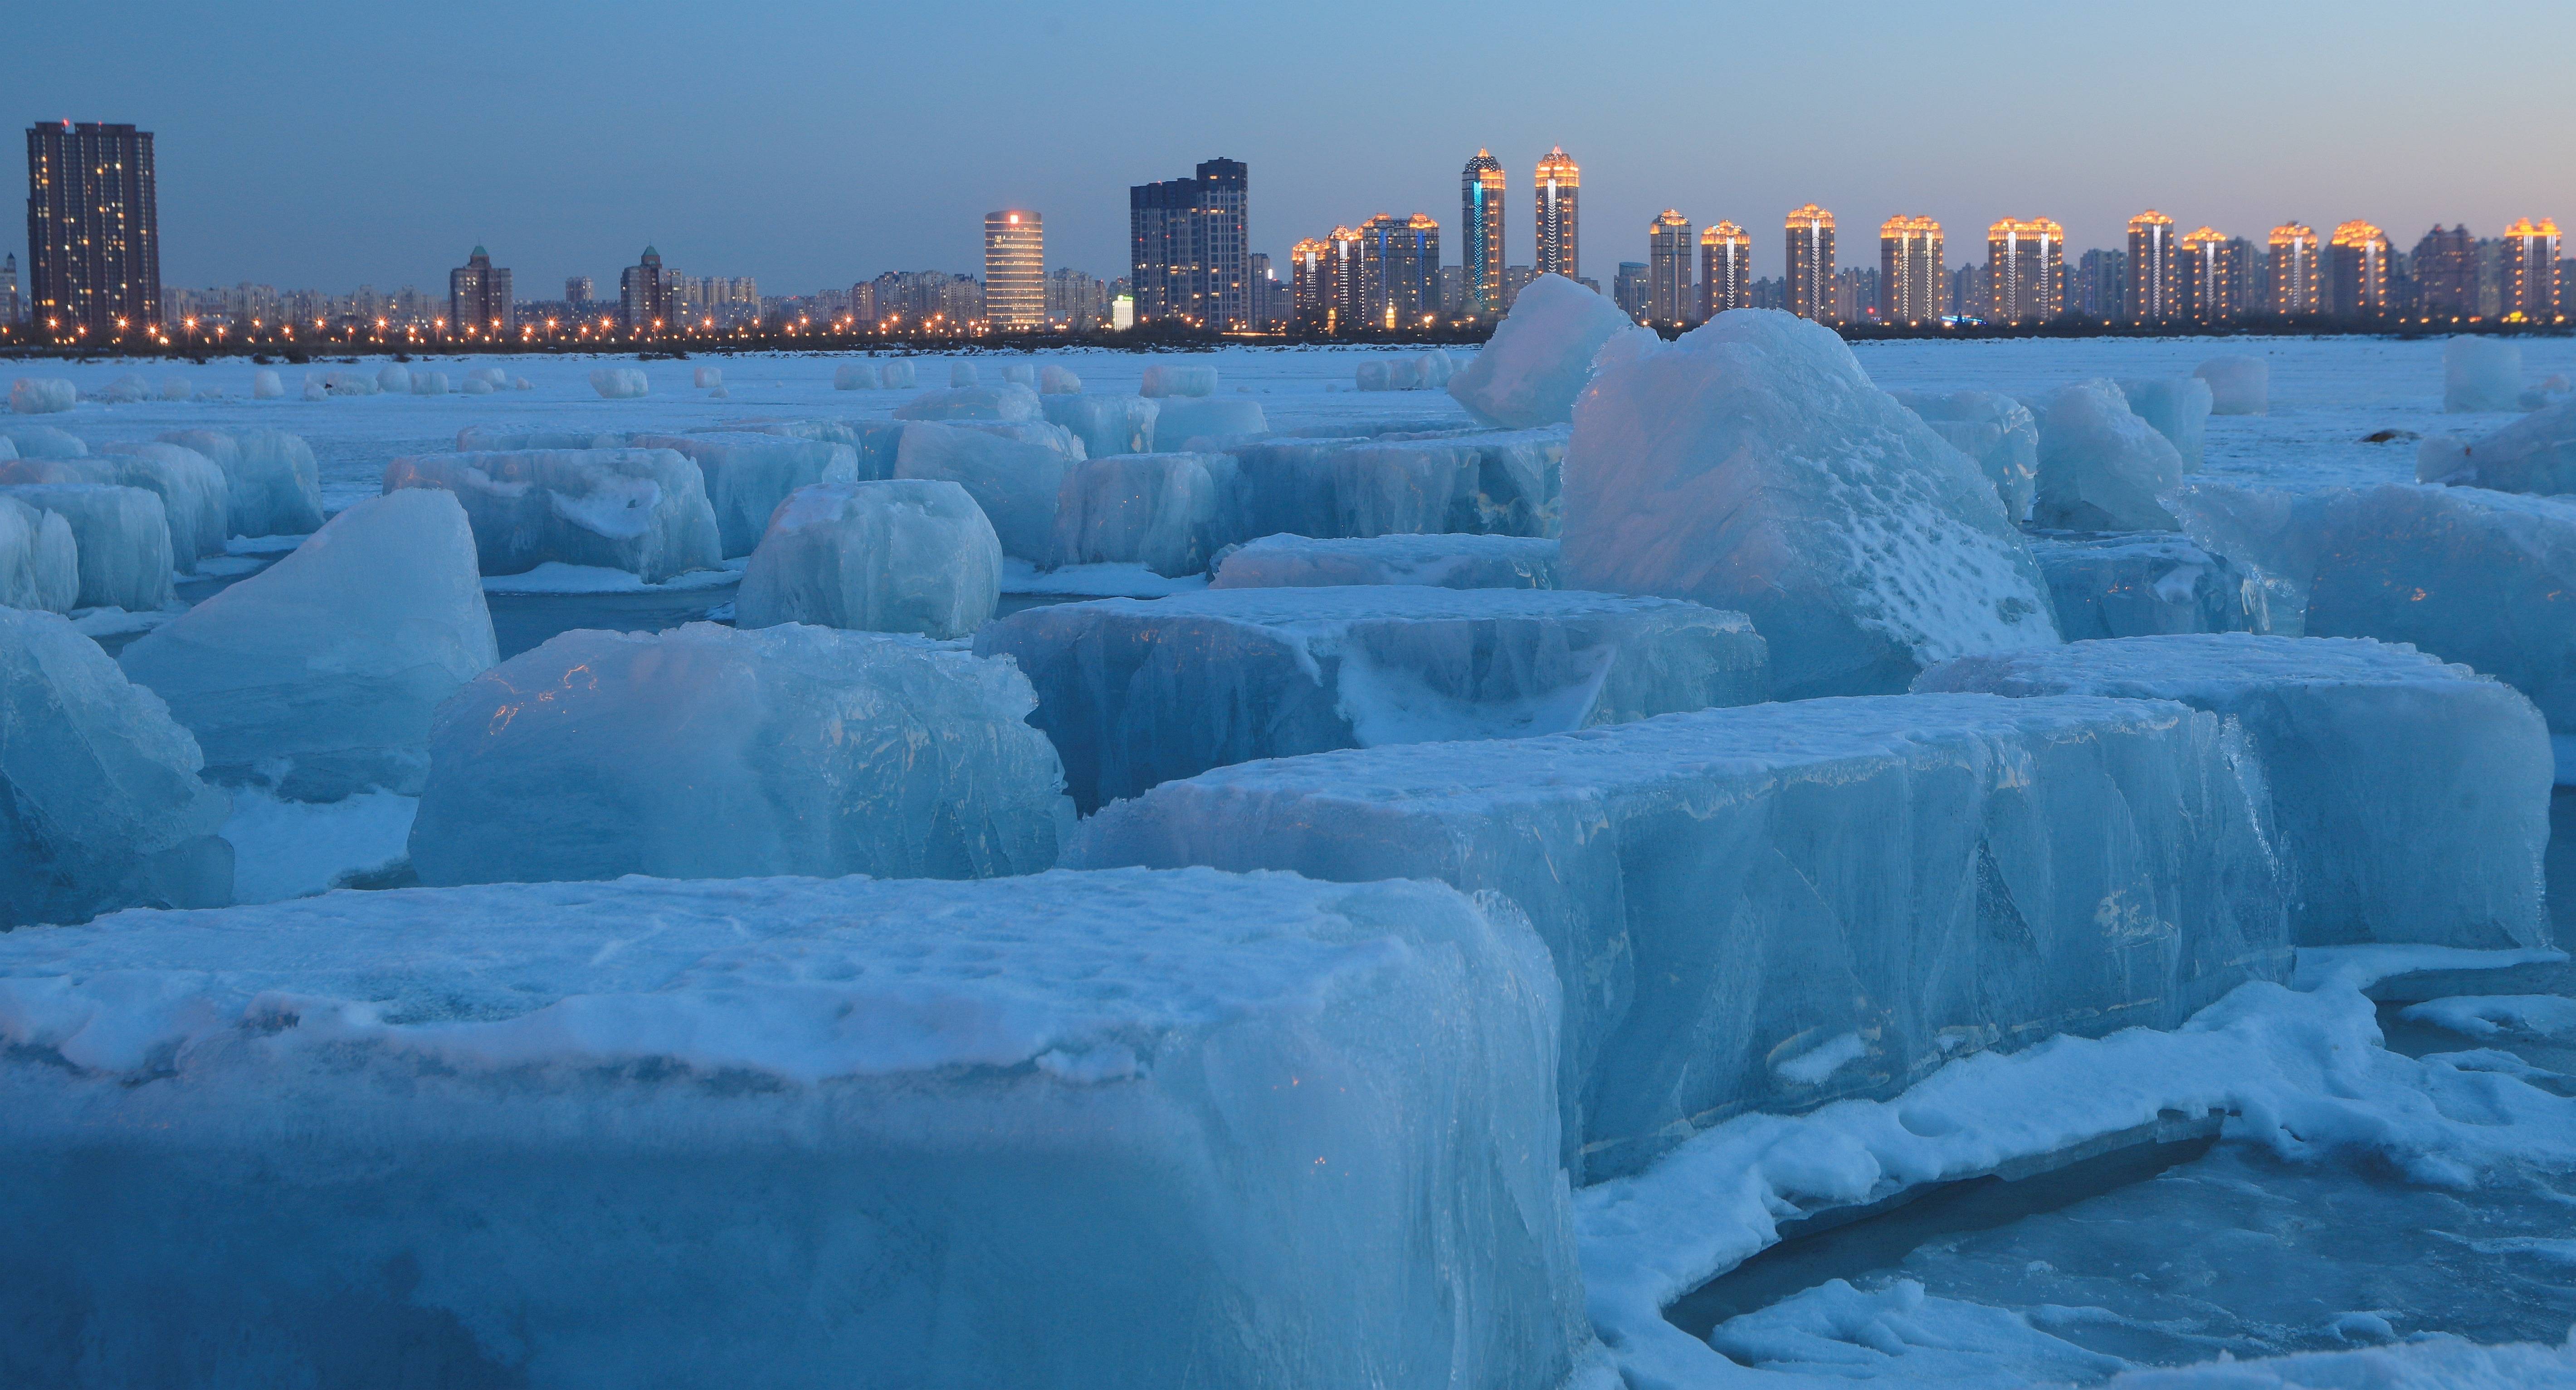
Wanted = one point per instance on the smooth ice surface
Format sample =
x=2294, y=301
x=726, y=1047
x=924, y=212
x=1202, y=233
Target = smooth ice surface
x=2409, y=799
x=2238, y=385
x=1136, y=692
x=1541, y=354
x=195, y=494
x=707, y=752
x=895, y=556
x=2102, y=467
x=121, y=536
x=1753, y=466
x=1106, y=424
x=100, y=804
x=39, y=560
x=1178, y=379
x=1004, y=402
x=2142, y=584
x=1181, y=419
x=41, y=395
x=1892, y=880
x=644, y=511
x=2178, y=407
x=2536, y=453
x=1445, y=561
x=1015, y=483
x=620, y=383
x=1076, y=1130
x=272, y=485
x=1992, y=428
x=318, y=675
x=748, y=474
x=1162, y=511
x=2481, y=374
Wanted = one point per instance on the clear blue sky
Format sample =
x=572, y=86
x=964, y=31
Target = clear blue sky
x=812, y=143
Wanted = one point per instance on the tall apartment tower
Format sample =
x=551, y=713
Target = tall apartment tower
x=1559, y=185
x=1310, y=293
x=1190, y=244
x=2025, y=270
x=1811, y=264
x=2297, y=272
x=644, y=292
x=478, y=296
x=2356, y=266
x=1346, y=275
x=2212, y=272
x=1912, y=285
x=1725, y=270
x=2446, y=272
x=1669, y=239
x=2154, y=295
x=579, y=290
x=1480, y=236
x=93, y=228
x=9, y=307
x=2529, y=285
x=1399, y=270
x=1014, y=269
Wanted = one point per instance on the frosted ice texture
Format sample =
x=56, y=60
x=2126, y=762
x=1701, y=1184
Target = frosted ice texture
x=43, y=441
x=1162, y=511
x=640, y=510
x=264, y=385
x=1004, y=402
x=39, y=560
x=961, y=374
x=195, y=494
x=2102, y=467
x=1445, y=561
x=1752, y=466
x=41, y=395
x=1540, y=356
x=1137, y=692
x=272, y=485
x=708, y=752
x=620, y=383
x=121, y=537
x=1992, y=428
x=1058, y=381
x=707, y=378
x=318, y=675
x=2536, y=453
x=1183, y=418
x=2143, y=584
x=1105, y=424
x=855, y=376
x=2178, y=407
x=748, y=474
x=896, y=556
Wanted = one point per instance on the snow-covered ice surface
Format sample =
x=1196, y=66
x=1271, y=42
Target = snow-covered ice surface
x=2143, y=583
x=1443, y=561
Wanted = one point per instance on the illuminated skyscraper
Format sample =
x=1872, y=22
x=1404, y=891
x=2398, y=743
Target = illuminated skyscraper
x=1911, y=281
x=2356, y=266
x=1310, y=285
x=1628, y=289
x=478, y=295
x=2528, y=288
x=1480, y=235
x=1400, y=265
x=1346, y=275
x=1668, y=268
x=1559, y=186
x=1725, y=269
x=644, y=292
x=9, y=291
x=1014, y=269
x=2025, y=271
x=2446, y=272
x=1190, y=246
x=1811, y=264
x=93, y=228
x=2154, y=294
x=2297, y=272
x=2212, y=275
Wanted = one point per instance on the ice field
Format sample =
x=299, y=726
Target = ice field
x=1747, y=861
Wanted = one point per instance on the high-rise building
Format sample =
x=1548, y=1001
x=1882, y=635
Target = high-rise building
x=2445, y=271
x=1669, y=239
x=2155, y=296
x=2528, y=287
x=1560, y=223
x=1014, y=269
x=1076, y=300
x=478, y=296
x=1453, y=291
x=2296, y=271
x=1347, y=274
x=1628, y=289
x=9, y=291
x=1190, y=246
x=93, y=228
x=579, y=290
x=1811, y=264
x=2356, y=266
x=644, y=292
x=2211, y=270
x=1269, y=296
x=1310, y=285
x=1912, y=286
x=1480, y=236
x=2101, y=288
x=1856, y=294
x=1400, y=270
x=1515, y=279
x=2025, y=270
x=1725, y=269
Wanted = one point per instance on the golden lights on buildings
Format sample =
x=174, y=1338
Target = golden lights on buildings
x=1911, y=280
x=1725, y=269
x=1811, y=264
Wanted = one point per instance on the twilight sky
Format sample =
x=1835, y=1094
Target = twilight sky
x=811, y=143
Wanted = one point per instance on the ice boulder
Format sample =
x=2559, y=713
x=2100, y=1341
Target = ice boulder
x=429, y=383
x=1752, y=466
x=1518, y=483
x=1039, y=432
x=2536, y=453
x=104, y=808
x=1058, y=381
x=195, y=494
x=1778, y=906
x=1394, y=485
x=1137, y=692
x=264, y=386
x=1162, y=511
x=39, y=560
x=494, y=377
x=43, y=442
x=317, y=676
x=126, y=390
x=34, y=395
x=897, y=375
x=2237, y=385
x=640, y=510
x=272, y=485
x=1540, y=356
x=1004, y=402
x=1443, y=562
x=855, y=376
x=749, y=474
x=897, y=556
x=1183, y=419
x=520, y=383
x=121, y=538
x=2178, y=408
x=1178, y=379
x=1020, y=374
x=2481, y=374
x=180, y=515
x=711, y=752
x=1016, y=484
x=394, y=379
x=342, y=383
x=1029, y=1132
x=961, y=374
x=2102, y=467
x=494, y=439
x=2143, y=584
x=174, y=388
x=2409, y=799
x=707, y=378
x=620, y=383
x=1992, y=428
x=474, y=386
x=1105, y=424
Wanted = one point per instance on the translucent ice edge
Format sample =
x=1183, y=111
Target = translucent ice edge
x=2301, y=1074
x=556, y=577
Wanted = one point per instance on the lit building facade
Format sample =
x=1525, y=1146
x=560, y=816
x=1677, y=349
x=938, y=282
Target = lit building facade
x=1015, y=269
x=1560, y=221
x=1725, y=269
x=9, y=291
x=2528, y=285
x=2356, y=271
x=1400, y=270
x=93, y=228
x=644, y=292
x=2155, y=294
x=478, y=296
x=1190, y=246
x=2446, y=272
x=2213, y=277
x=1480, y=231
x=1669, y=243
x=1912, y=285
x=1347, y=309
x=1811, y=264
x=1310, y=285
x=2296, y=272
x=2025, y=270
x=1628, y=289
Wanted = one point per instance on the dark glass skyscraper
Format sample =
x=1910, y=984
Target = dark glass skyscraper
x=1480, y=232
x=1191, y=248
x=1401, y=270
x=93, y=232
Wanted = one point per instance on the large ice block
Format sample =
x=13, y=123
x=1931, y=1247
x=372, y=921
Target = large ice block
x=41, y=395
x=873, y=440
x=2536, y=453
x=1058, y=381
x=1518, y=482
x=707, y=752
x=620, y=383
x=1005, y=402
x=1083, y=1131
x=1774, y=907
x=2481, y=374
x=2409, y=799
x=1015, y=483
x=640, y=510
x=121, y=538
x=195, y=494
x=318, y=675
x=961, y=374
x=504, y=439
x=1541, y=355
x=895, y=556
x=748, y=474
x=856, y=376
x=1038, y=432
x=1992, y=428
x=1753, y=466
x=264, y=386
x=100, y=803
x=2102, y=467
x=2142, y=584
x=2237, y=385
x=1446, y=562
x=43, y=441
x=1136, y=692
x=1182, y=419
x=2178, y=408
x=1106, y=424
x=898, y=374
x=1178, y=379
x=1453, y=483
x=1162, y=511
x=39, y=560
x=272, y=485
